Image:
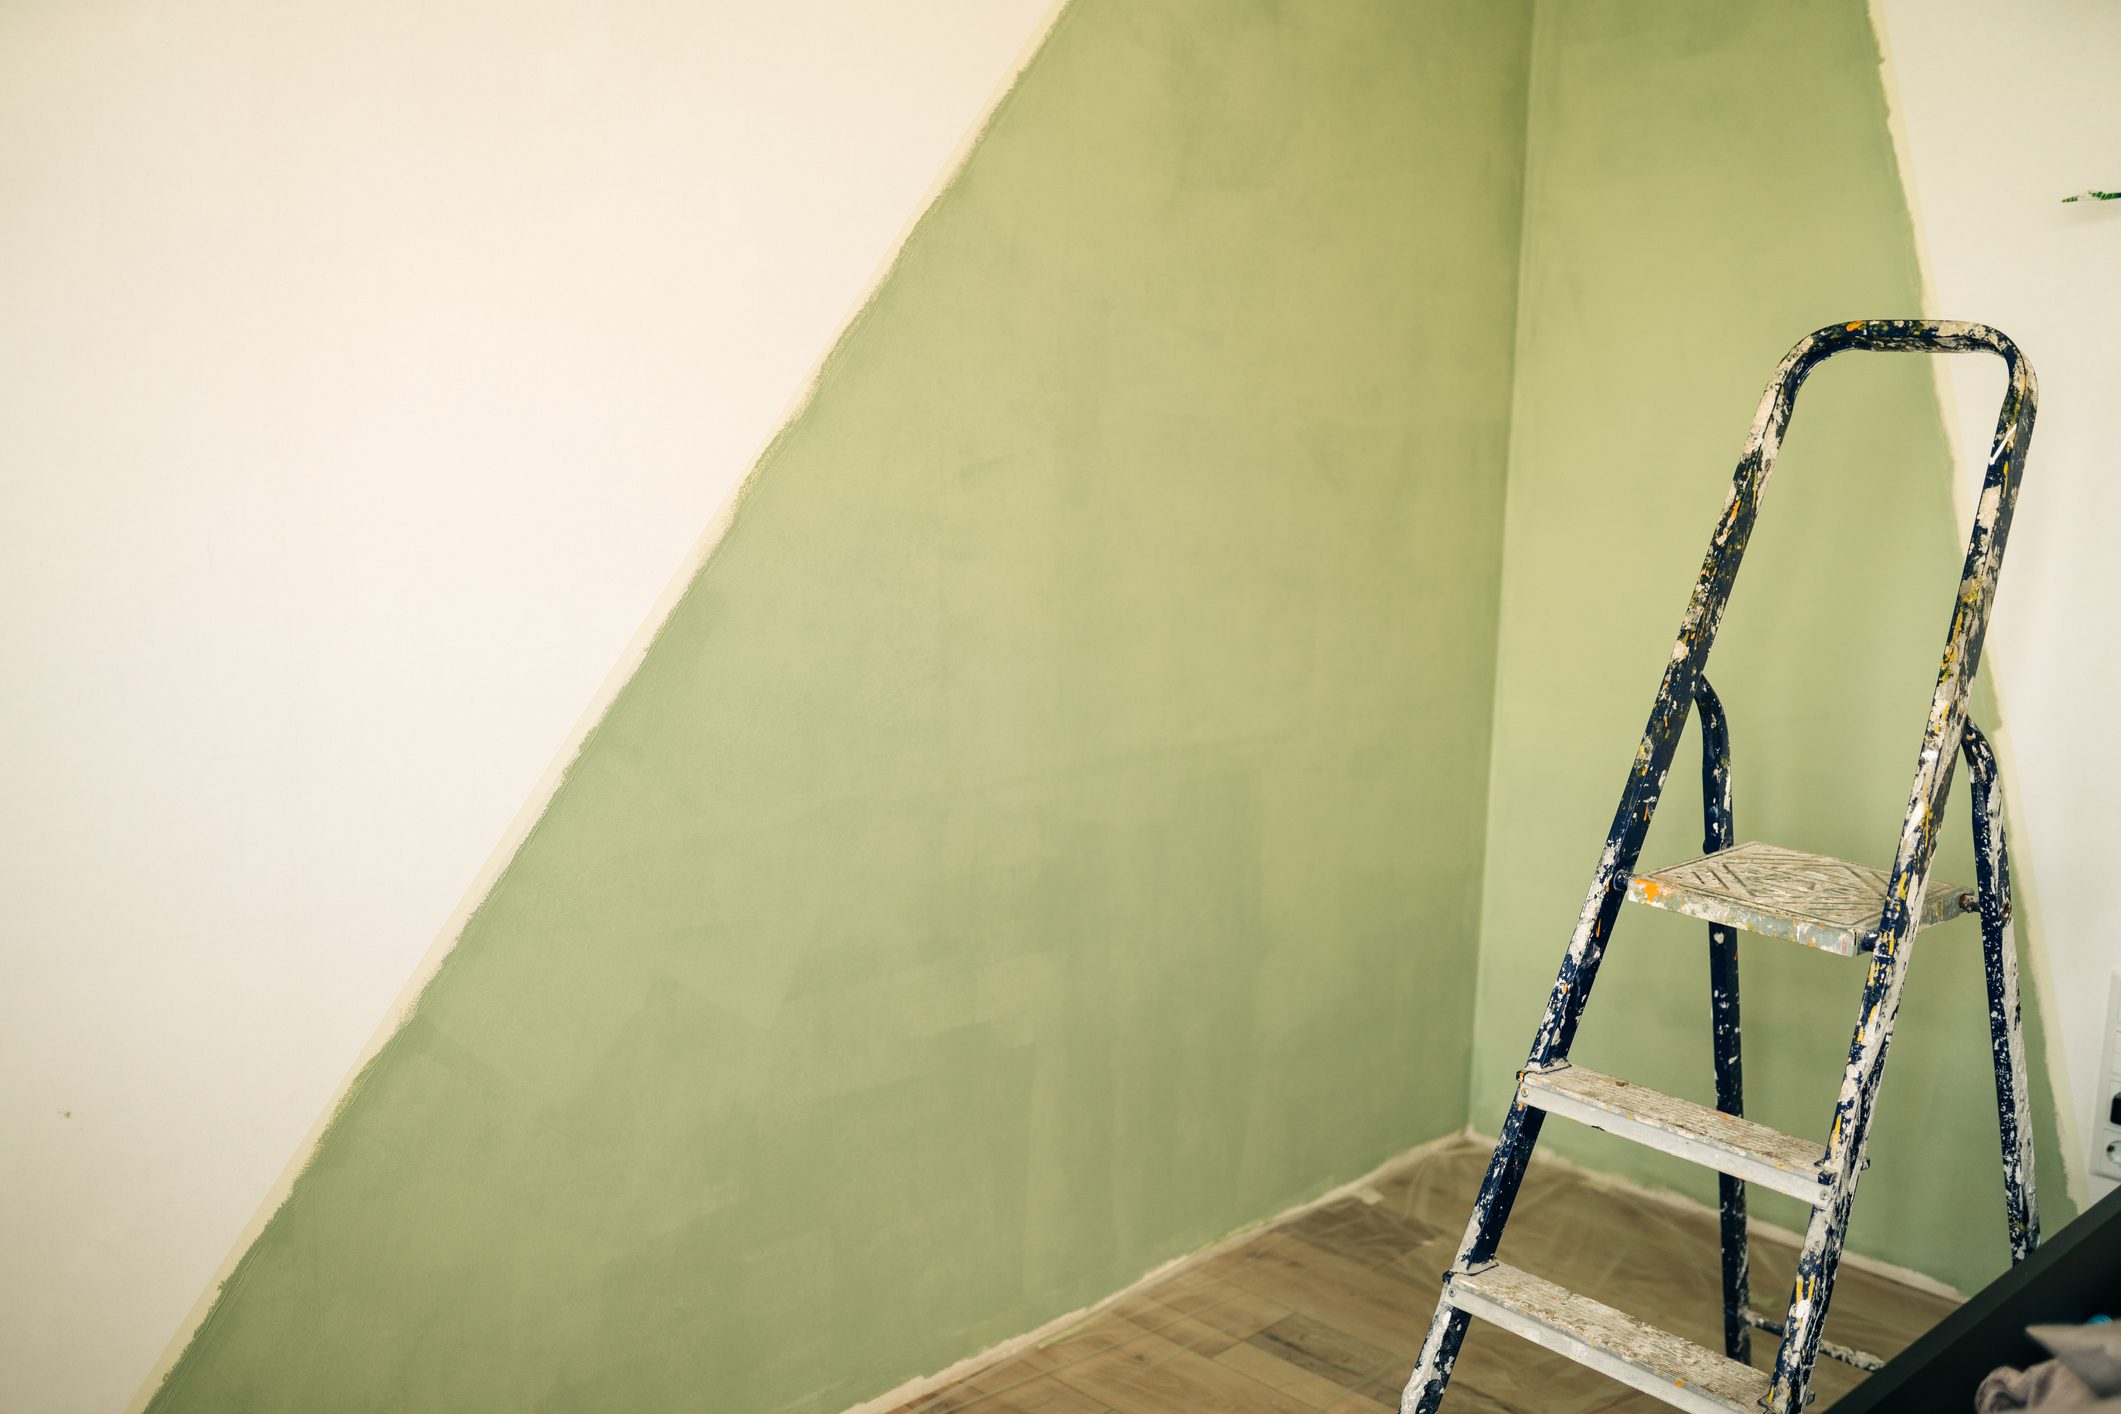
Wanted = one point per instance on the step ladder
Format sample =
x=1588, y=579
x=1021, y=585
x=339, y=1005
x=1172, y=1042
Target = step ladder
x=1825, y=903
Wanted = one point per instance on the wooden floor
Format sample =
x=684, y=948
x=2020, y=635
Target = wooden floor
x=1324, y=1312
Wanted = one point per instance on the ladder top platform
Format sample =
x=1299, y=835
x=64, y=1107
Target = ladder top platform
x=1823, y=903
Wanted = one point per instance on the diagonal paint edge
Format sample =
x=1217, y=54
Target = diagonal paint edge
x=1966, y=475
x=503, y=855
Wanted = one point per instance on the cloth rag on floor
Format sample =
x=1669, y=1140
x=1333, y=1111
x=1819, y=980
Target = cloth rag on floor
x=2085, y=1374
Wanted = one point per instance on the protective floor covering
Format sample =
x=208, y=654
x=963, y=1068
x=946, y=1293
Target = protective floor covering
x=1324, y=1312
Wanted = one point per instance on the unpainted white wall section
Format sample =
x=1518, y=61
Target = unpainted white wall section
x=366, y=374
x=2000, y=112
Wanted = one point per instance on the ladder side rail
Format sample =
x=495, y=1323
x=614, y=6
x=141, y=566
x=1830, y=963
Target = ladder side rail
x=1644, y=786
x=1719, y=831
x=1992, y=867
x=1812, y=1291
x=1616, y=862
x=1638, y=803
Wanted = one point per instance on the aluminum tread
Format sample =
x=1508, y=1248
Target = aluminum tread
x=1660, y=1364
x=1727, y=1143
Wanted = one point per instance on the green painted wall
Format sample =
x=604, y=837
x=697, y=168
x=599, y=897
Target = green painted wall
x=1046, y=836
x=1706, y=184
x=1058, y=827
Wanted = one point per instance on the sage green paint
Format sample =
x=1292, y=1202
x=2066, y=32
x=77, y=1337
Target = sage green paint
x=1046, y=835
x=1706, y=184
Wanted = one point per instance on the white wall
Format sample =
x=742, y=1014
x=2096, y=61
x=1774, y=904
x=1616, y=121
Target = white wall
x=366, y=374
x=2002, y=111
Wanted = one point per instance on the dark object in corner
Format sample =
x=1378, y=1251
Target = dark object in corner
x=2075, y=1275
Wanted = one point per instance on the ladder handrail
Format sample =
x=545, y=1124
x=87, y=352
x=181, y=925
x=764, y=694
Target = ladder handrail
x=1704, y=614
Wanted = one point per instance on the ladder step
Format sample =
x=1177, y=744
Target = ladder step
x=1829, y=904
x=1681, y=1128
x=1612, y=1342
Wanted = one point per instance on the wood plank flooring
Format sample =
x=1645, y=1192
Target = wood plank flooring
x=1323, y=1312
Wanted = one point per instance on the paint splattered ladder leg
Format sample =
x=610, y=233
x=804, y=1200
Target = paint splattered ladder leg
x=1942, y=736
x=1616, y=862
x=2006, y=1042
x=1719, y=831
x=1579, y=966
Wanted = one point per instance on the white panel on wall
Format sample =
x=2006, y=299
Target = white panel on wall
x=2002, y=111
x=366, y=373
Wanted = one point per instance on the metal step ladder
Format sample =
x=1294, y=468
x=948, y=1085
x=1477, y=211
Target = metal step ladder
x=1825, y=903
